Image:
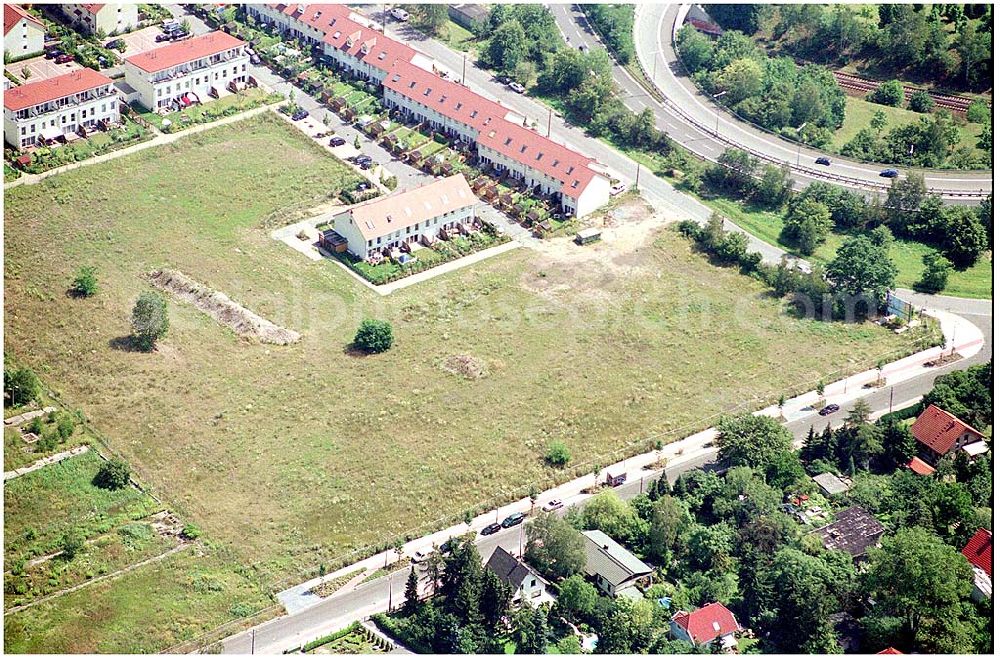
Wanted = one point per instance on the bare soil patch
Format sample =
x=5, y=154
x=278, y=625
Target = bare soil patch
x=466, y=366
x=218, y=305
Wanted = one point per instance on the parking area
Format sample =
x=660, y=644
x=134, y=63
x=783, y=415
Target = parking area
x=39, y=68
x=141, y=40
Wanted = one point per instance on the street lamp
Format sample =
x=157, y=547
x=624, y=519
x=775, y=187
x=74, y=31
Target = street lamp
x=798, y=154
x=717, y=108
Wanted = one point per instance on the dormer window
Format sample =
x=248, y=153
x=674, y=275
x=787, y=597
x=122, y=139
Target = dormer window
x=507, y=141
x=570, y=170
x=475, y=113
x=413, y=84
x=524, y=147
x=539, y=156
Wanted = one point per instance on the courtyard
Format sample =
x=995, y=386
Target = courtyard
x=291, y=457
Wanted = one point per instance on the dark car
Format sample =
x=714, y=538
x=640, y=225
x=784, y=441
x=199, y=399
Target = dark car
x=513, y=520
x=337, y=141
x=53, y=53
x=491, y=529
x=162, y=37
x=889, y=173
x=114, y=44
x=447, y=546
x=255, y=59
x=64, y=59
x=299, y=115
x=829, y=409
x=823, y=160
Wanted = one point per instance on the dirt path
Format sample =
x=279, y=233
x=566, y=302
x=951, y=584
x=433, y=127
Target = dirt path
x=44, y=462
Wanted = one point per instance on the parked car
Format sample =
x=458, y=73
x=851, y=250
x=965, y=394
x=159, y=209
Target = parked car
x=516, y=86
x=53, y=53
x=64, y=59
x=336, y=140
x=823, y=160
x=513, y=520
x=555, y=504
x=363, y=160
x=889, y=173
x=255, y=59
x=829, y=409
x=114, y=44
x=618, y=188
x=299, y=115
x=447, y=546
x=365, y=164
x=399, y=14
x=491, y=529
x=421, y=555
x=162, y=37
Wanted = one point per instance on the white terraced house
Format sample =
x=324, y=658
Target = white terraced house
x=405, y=217
x=412, y=84
x=23, y=34
x=57, y=107
x=188, y=71
x=110, y=19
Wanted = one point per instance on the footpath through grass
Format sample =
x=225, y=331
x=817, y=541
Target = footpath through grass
x=292, y=457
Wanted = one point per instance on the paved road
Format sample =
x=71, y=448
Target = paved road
x=654, y=44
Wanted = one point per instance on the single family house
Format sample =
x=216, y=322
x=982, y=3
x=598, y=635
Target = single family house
x=940, y=433
x=23, y=34
x=712, y=623
x=614, y=568
x=528, y=585
x=853, y=530
x=979, y=552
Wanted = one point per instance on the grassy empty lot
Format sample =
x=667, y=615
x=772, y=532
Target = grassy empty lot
x=289, y=457
x=859, y=115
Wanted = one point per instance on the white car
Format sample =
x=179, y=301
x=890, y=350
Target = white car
x=399, y=14
x=617, y=188
x=555, y=504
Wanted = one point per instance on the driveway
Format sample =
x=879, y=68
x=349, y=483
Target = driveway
x=40, y=68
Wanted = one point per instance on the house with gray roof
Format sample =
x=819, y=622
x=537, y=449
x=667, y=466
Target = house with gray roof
x=528, y=585
x=614, y=568
x=829, y=484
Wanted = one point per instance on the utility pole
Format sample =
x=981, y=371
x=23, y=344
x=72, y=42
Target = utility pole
x=383, y=18
x=548, y=131
x=390, y=594
x=718, y=107
x=890, y=398
x=464, y=58
x=253, y=639
x=637, y=168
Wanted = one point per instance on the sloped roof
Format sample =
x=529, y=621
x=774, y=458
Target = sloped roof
x=938, y=430
x=383, y=215
x=12, y=15
x=889, y=650
x=92, y=8
x=165, y=57
x=854, y=530
x=34, y=93
x=610, y=560
x=506, y=566
x=707, y=623
x=920, y=467
x=830, y=483
x=979, y=551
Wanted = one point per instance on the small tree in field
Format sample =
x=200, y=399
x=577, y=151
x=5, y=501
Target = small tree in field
x=558, y=455
x=374, y=336
x=149, y=320
x=113, y=475
x=85, y=282
x=71, y=543
x=21, y=385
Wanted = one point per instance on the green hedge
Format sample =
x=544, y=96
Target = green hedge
x=329, y=638
x=905, y=413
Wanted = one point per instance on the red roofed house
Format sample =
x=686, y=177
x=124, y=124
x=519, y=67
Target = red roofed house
x=23, y=34
x=939, y=433
x=412, y=85
x=51, y=108
x=979, y=552
x=889, y=650
x=110, y=19
x=701, y=627
x=187, y=71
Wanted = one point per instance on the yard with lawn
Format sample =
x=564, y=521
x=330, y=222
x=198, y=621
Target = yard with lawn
x=333, y=452
x=211, y=110
x=975, y=282
x=44, y=158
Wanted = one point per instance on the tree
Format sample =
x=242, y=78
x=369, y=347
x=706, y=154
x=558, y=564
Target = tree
x=921, y=101
x=557, y=455
x=373, y=336
x=888, y=93
x=494, y=604
x=967, y=394
x=742, y=78
x=668, y=520
x=412, y=594
x=807, y=224
x=609, y=513
x=357, y=143
x=750, y=440
x=431, y=17
x=85, y=282
x=626, y=628
x=917, y=577
x=879, y=121
x=530, y=631
x=71, y=543
x=462, y=583
x=149, y=320
x=554, y=547
x=113, y=475
x=774, y=187
x=935, y=276
x=965, y=239
x=434, y=569
x=21, y=385
x=903, y=201
x=862, y=271
x=577, y=596
x=506, y=48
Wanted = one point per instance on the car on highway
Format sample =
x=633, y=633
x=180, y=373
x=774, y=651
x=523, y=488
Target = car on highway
x=889, y=173
x=829, y=409
x=516, y=86
x=64, y=59
x=337, y=140
x=555, y=504
x=491, y=529
x=299, y=115
x=513, y=520
x=399, y=14
x=823, y=160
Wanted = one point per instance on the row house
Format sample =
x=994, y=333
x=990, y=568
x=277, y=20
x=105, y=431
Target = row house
x=187, y=71
x=61, y=106
x=407, y=217
x=411, y=85
x=23, y=34
x=109, y=19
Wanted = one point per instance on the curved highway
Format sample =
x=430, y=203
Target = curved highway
x=700, y=125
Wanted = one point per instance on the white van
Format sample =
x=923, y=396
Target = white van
x=399, y=14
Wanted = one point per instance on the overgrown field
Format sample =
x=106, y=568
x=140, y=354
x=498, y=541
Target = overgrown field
x=288, y=457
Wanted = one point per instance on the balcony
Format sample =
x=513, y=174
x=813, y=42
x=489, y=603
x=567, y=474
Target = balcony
x=192, y=67
x=67, y=102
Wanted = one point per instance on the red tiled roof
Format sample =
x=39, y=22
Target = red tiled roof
x=34, y=93
x=920, y=467
x=12, y=15
x=707, y=623
x=938, y=430
x=979, y=551
x=92, y=8
x=180, y=52
x=889, y=650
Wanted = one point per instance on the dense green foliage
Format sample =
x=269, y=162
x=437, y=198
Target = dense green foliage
x=373, y=336
x=113, y=475
x=20, y=385
x=149, y=320
x=85, y=282
x=557, y=455
x=614, y=23
x=967, y=394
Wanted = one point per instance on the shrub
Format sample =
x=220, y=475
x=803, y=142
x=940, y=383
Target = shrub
x=241, y=610
x=85, y=283
x=113, y=475
x=21, y=386
x=149, y=320
x=373, y=336
x=190, y=531
x=935, y=276
x=888, y=93
x=921, y=101
x=71, y=543
x=978, y=112
x=65, y=425
x=558, y=455
x=36, y=426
